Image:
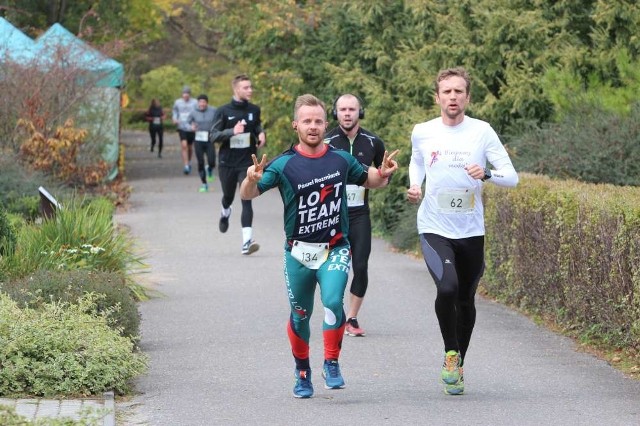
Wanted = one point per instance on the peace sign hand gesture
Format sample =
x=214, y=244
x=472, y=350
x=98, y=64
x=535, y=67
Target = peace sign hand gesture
x=389, y=165
x=254, y=173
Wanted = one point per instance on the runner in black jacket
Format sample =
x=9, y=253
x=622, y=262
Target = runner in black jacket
x=369, y=150
x=237, y=127
x=155, y=116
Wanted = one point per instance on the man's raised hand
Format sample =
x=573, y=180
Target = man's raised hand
x=254, y=173
x=389, y=165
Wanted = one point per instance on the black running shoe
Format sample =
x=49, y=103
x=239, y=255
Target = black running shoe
x=224, y=223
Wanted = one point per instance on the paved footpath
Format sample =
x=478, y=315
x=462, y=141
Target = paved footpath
x=219, y=355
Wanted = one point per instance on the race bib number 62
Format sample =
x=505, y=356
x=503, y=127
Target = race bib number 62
x=453, y=200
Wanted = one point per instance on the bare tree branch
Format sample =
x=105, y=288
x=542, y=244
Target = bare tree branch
x=176, y=25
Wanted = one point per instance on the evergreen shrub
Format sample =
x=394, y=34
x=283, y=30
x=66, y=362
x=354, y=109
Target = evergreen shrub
x=63, y=350
x=116, y=300
x=19, y=187
x=7, y=235
x=589, y=144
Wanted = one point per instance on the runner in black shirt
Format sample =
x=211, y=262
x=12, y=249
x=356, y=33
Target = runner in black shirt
x=155, y=116
x=238, y=129
x=369, y=150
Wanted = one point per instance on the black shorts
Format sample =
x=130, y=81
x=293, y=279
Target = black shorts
x=187, y=136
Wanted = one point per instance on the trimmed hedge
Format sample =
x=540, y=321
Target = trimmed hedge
x=567, y=250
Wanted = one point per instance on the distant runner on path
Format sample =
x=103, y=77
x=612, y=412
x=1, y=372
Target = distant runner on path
x=201, y=121
x=182, y=107
x=238, y=129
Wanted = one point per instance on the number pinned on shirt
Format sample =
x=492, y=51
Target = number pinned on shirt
x=311, y=255
x=456, y=200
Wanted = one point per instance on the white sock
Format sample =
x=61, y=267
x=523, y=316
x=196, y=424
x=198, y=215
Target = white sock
x=247, y=234
x=226, y=212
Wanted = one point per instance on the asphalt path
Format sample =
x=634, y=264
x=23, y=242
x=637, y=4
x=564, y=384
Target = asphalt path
x=219, y=353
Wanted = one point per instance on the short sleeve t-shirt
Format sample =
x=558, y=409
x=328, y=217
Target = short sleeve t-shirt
x=313, y=191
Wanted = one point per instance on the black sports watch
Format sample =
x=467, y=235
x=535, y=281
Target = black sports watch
x=487, y=174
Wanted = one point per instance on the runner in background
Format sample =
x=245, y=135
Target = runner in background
x=182, y=107
x=155, y=116
x=238, y=129
x=201, y=121
x=369, y=150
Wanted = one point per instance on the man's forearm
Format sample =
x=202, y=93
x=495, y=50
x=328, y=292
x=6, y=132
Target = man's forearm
x=248, y=189
x=375, y=179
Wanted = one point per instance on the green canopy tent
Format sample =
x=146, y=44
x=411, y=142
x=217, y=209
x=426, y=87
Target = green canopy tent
x=105, y=77
x=15, y=46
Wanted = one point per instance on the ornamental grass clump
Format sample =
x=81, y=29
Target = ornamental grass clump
x=63, y=349
x=81, y=235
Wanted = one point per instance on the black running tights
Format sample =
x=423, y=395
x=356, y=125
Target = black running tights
x=153, y=132
x=456, y=266
x=360, y=238
x=201, y=149
x=230, y=179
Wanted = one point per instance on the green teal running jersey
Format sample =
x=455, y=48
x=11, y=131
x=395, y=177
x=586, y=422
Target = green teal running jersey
x=313, y=191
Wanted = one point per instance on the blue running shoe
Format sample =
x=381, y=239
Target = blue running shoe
x=303, y=387
x=331, y=373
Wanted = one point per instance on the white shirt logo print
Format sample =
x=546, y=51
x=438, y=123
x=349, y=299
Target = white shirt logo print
x=231, y=117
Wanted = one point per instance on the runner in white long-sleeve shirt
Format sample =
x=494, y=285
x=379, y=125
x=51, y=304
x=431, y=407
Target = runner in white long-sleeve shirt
x=449, y=155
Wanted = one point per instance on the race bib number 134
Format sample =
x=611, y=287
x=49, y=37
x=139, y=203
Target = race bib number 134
x=311, y=255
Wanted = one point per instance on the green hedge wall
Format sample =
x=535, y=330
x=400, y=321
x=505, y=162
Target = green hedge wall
x=569, y=251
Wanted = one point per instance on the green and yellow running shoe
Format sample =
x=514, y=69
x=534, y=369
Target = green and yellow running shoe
x=456, y=388
x=451, y=368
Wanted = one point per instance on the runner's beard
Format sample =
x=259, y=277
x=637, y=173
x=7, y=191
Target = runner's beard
x=318, y=140
x=349, y=128
x=455, y=114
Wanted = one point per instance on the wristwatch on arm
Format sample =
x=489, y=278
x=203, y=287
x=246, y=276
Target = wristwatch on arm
x=487, y=174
